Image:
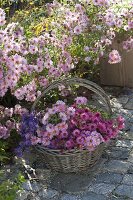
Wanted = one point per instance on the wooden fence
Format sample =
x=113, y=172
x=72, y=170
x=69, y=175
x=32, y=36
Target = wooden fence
x=120, y=74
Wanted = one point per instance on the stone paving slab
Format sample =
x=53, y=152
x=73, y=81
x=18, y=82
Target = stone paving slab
x=124, y=143
x=129, y=104
x=102, y=188
x=71, y=183
x=93, y=196
x=48, y=194
x=124, y=190
x=130, y=158
x=118, y=166
x=128, y=179
x=69, y=197
x=128, y=135
x=120, y=198
x=110, y=178
x=130, y=170
x=34, y=187
x=118, y=153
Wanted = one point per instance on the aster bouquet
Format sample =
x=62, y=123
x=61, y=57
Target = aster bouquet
x=70, y=127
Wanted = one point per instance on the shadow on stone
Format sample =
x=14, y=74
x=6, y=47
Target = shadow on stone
x=75, y=183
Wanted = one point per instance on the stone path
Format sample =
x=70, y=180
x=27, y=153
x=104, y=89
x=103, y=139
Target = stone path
x=112, y=177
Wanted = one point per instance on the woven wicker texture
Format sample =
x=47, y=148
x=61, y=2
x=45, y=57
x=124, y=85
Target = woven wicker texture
x=71, y=162
x=75, y=160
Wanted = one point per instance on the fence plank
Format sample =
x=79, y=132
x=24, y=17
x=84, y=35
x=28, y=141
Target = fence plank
x=120, y=74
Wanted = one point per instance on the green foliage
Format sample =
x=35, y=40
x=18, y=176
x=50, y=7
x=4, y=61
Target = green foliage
x=17, y=5
x=7, y=147
x=30, y=19
x=9, y=188
x=3, y=151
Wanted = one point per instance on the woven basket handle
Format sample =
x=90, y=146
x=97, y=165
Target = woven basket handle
x=81, y=82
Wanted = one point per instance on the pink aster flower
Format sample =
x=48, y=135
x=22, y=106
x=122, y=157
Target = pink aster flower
x=120, y=119
x=10, y=124
x=69, y=144
x=119, y=23
x=115, y=132
x=101, y=127
x=52, y=111
x=109, y=132
x=130, y=24
x=24, y=111
x=63, y=134
x=114, y=57
x=31, y=97
x=49, y=134
x=88, y=59
x=95, y=119
x=76, y=132
x=78, y=30
x=101, y=2
x=90, y=143
x=40, y=133
x=84, y=116
x=38, y=68
x=80, y=140
x=49, y=127
x=54, y=72
x=40, y=62
x=59, y=102
x=45, y=118
x=61, y=106
x=45, y=141
x=121, y=126
x=63, y=126
x=43, y=81
x=92, y=127
x=86, y=48
x=81, y=100
x=35, y=140
x=70, y=111
x=1, y=73
x=73, y=122
x=8, y=112
x=2, y=17
x=48, y=64
x=33, y=49
x=63, y=116
x=19, y=93
x=3, y=132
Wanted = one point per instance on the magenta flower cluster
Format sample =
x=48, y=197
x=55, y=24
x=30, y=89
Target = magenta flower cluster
x=72, y=127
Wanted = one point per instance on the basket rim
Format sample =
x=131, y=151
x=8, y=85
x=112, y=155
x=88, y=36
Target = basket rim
x=81, y=82
x=66, y=152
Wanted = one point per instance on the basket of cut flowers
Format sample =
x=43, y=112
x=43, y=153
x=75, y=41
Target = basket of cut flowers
x=71, y=137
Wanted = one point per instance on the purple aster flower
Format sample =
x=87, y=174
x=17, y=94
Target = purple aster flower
x=81, y=100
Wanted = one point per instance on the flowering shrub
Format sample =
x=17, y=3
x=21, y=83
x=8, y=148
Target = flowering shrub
x=9, y=129
x=69, y=127
x=77, y=35
x=29, y=65
x=93, y=25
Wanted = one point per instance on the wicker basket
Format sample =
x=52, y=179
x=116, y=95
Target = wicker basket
x=74, y=160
